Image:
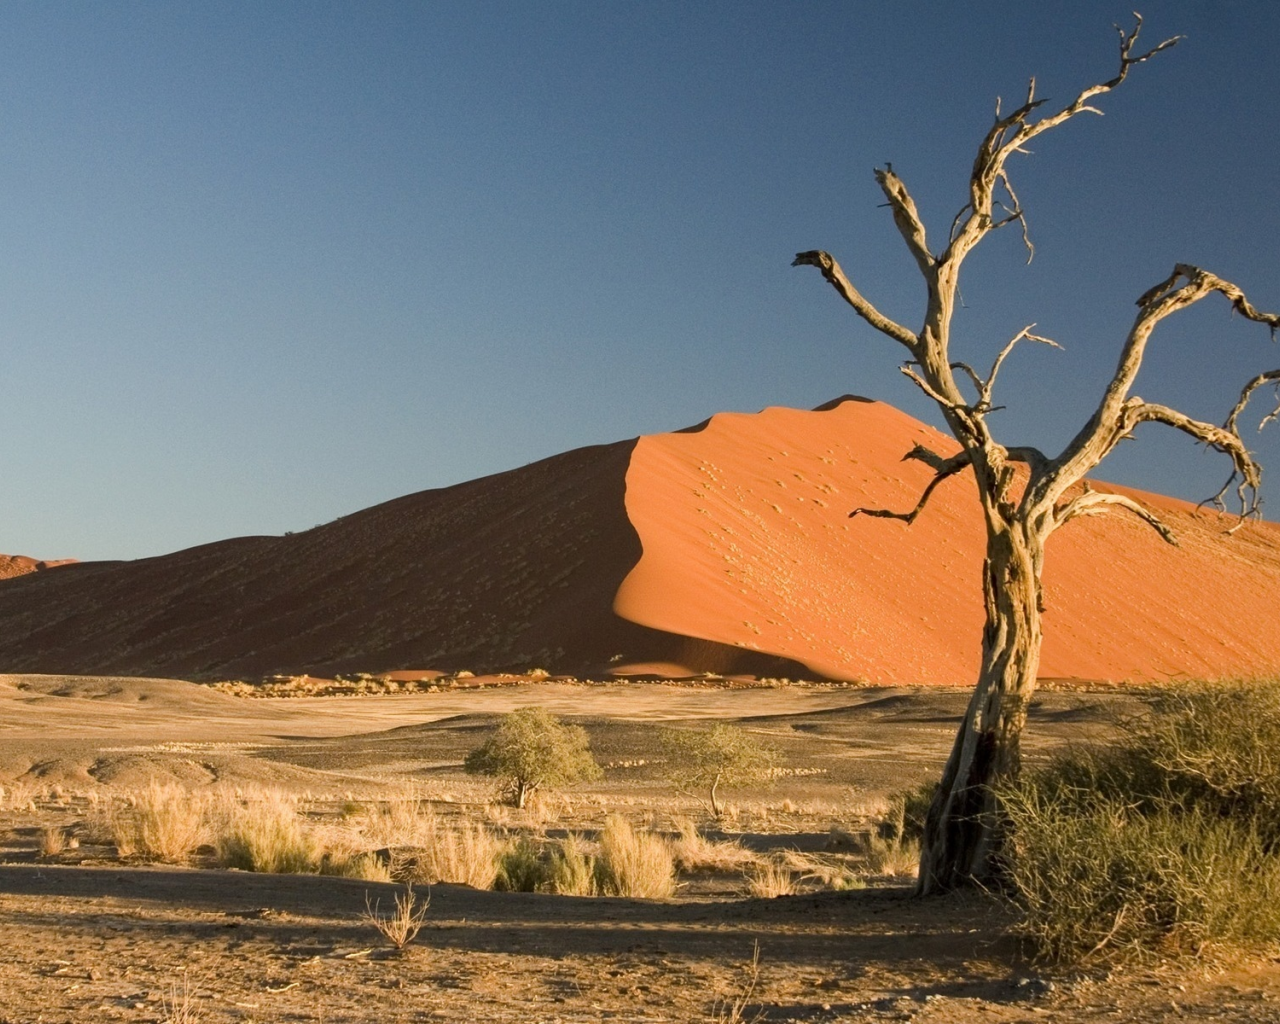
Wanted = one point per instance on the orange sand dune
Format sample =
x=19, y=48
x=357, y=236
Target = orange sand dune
x=20, y=565
x=724, y=548
x=747, y=541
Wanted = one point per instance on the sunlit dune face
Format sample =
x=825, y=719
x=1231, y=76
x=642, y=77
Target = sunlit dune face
x=747, y=541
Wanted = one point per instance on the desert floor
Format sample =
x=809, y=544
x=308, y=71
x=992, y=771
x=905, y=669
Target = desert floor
x=86, y=936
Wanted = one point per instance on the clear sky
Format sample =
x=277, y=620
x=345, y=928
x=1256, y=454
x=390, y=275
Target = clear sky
x=265, y=264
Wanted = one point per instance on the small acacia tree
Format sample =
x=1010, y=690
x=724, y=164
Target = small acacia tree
x=724, y=755
x=531, y=749
x=1021, y=509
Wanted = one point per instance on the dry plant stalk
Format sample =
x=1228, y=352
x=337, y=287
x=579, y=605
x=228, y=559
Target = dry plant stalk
x=179, y=1004
x=401, y=926
x=735, y=1010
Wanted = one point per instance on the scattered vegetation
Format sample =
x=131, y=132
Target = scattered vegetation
x=1167, y=843
x=531, y=749
x=722, y=756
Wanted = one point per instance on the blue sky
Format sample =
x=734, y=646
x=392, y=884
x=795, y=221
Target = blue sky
x=265, y=264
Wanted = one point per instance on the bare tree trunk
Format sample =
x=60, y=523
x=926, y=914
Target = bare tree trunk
x=962, y=828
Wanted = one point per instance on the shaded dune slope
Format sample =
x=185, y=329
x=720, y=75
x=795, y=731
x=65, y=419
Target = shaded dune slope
x=726, y=547
x=510, y=571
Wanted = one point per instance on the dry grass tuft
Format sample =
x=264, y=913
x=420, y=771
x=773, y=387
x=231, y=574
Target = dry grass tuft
x=262, y=832
x=734, y=1010
x=464, y=854
x=770, y=879
x=401, y=926
x=896, y=858
x=632, y=863
x=573, y=868
x=164, y=822
x=178, y=1005
x=53, y=840
x=694, y=852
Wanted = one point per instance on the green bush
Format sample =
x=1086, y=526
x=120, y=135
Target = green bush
x=1167, y=843
x=531, y=749
x=524, y=866
x=707, y=759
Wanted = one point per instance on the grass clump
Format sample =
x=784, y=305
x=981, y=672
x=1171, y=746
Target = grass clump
x=632, y=863
x=263, y=833
x=770, y=879
x=1166, y=844
x=695, y=852
x=464, y=854
x=164, y=822
x=573, y=868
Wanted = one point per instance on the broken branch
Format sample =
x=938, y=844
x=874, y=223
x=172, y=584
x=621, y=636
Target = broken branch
x=944, y=468
x=830, y=269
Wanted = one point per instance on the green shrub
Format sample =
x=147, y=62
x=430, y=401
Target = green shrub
x=1167, y=843
x=531, y=749
x=707, y=759
x=524, y=866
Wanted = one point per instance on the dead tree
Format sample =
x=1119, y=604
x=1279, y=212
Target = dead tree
x=1022, y=507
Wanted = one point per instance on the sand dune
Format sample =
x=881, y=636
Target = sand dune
x=20, y=565
x=726, y=547
x=747, y=541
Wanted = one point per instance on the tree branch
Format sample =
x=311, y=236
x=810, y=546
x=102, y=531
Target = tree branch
x=943, y=469
x=907, y=218
x=1004, y=354
x=1117, y=414
x=1010, y=134
x=830, y=269
x=1271, y=376
x=1093, y=503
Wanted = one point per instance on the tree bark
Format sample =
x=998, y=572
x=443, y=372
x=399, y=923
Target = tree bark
x=962, y=828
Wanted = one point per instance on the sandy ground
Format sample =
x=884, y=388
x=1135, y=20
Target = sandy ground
x=99, y=940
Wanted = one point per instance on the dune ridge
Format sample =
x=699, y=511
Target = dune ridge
x=726, y=547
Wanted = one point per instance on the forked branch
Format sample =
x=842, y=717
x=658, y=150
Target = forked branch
x=1011, y=132
x=1117, y=414
x=1093, y=503
x=1270, y=377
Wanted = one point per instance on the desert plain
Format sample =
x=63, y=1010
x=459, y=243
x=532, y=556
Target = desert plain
x=86, y=934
